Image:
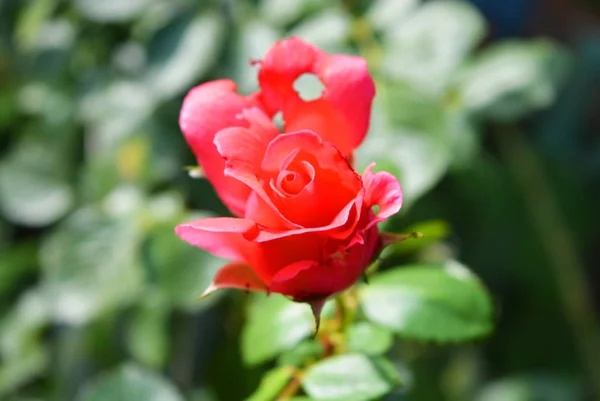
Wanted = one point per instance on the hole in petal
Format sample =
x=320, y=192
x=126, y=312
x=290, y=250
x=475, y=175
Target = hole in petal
x=308, y=87
x=278, y=121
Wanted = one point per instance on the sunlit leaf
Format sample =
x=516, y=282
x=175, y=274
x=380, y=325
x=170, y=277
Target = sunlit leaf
x=385, y=14
x=252, y=43
x=130, y=383
x=284, y=12
x=410, y=139
x=180, y=271
x=511, y=79
x=113, y=112
x=547, y=387
x=33, y=190
x=148, y=335
x=90, y=264
x=272, y=384
x=328, y=29
x=430, y=45
x=275, y=324
x=350, y=377
x=305, y=352
x=443, y=303
x=368, y=339
x=182, y=52
x=112, y=10
x=17, y=372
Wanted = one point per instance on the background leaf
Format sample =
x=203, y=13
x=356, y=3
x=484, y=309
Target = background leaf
x=275, y=324
x=272, y=384
x=350, y=378
x=512, y=79
x=90, y=265
x=367, y=338
x=430, y=45
x=130, y=383
x=429, y=303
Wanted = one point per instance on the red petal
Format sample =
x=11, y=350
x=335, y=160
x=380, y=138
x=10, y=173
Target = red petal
x=382, y=189
x=244, y=148
x=207, y=109
x=225, y=237
x=334, y=187
x=233, y=238
x=309, y=279
x=236, y=275
x=341, y=115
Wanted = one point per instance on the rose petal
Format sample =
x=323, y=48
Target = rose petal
x=236, y=239
x=236, y=275
x=225, y=237
x=244, y=148
x=341, y=115
x=309, y=279
x=382, y=189
x=334, y=186
x=207, y=109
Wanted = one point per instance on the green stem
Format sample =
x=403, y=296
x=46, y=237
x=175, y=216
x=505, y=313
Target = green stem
x=559, y=245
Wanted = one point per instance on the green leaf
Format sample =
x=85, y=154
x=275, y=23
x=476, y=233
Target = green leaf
x=366, y=338
x=350, y=378
x=443, y=303
x=328, y=30
x=547, y=387
x=21, y=327
x=182, y=52
x=511, y=79
x=130, y=383
x=33, y=190
x=385, y=14
x=272, y=384
x=433, y=231
x=17, y=372
x=112, y=10
x=283, y=12
x=428, y=47
x=181, y=272
x=411, y=140
x=23, y=356
x=303, y=353
x=252, y=43
x=148, y=335
x=114, y=111
x=91, y=265
x=17, y=262
x=275, y=324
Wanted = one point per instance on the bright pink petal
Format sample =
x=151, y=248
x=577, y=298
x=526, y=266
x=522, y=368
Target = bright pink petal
x=244, y=148
x=341, y=115
x=225, y=237
x=207, y=109
x=339, y=228
x=236, y=275
x=382, y=189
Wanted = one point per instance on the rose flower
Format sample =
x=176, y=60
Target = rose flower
x=305, y=225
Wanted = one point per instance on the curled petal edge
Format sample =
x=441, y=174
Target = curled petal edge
x=236, y=275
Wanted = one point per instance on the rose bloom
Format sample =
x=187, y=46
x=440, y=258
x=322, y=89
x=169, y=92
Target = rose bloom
x=305, y=226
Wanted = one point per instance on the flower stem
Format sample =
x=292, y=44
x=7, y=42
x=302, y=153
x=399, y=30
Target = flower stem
x=290, y=389
x=559, y=245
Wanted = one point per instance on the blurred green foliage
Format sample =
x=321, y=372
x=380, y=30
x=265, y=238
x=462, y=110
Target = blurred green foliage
x=97, y=294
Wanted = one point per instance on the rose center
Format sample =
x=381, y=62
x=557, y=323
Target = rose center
x=291, y=183
x=292, y=180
